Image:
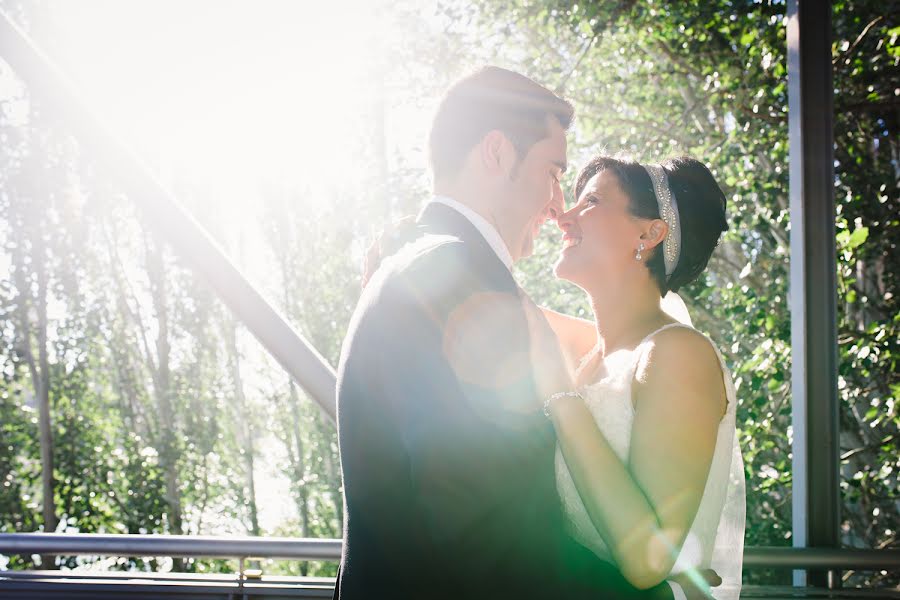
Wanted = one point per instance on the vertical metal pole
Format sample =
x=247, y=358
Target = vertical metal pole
x=813, y=298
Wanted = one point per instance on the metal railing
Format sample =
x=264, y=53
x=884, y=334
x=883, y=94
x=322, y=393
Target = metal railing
x=92, y=544
x=845, y=559
x=176, y=546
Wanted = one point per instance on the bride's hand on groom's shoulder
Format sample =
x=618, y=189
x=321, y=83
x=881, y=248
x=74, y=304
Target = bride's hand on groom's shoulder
x=391, y=239
x=552, y=374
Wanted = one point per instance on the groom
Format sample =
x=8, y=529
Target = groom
x=447, y=457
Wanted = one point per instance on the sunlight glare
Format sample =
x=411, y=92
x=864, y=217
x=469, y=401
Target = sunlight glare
x=269, y=90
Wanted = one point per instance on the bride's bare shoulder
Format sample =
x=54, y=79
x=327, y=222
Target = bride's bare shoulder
x=681, y=361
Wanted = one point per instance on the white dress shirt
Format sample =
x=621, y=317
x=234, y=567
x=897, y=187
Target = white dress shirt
x=487, y=231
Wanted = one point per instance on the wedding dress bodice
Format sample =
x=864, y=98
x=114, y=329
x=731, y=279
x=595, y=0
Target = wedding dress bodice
x=716, y=537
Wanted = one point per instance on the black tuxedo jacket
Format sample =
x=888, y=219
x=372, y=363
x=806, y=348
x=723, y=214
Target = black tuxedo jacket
x=447, y=459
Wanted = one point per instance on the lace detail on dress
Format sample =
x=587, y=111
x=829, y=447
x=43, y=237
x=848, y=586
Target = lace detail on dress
x=716, y=536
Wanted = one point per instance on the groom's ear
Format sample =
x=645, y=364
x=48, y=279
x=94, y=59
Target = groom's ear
x=493, y=151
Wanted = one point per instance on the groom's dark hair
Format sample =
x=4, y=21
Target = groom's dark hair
x=491, y=99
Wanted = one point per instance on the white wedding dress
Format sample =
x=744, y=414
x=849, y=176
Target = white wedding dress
x=716, y=538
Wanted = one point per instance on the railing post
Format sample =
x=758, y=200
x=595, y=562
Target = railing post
x=813, y=291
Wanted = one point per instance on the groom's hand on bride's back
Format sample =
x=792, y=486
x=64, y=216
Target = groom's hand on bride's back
x=696, y=584
x=391, y=239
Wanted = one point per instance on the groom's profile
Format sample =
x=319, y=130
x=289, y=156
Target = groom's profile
x=447, y=457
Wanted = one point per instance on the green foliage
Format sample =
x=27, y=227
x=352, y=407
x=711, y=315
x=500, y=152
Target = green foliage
x=18, y=432
x=162, y=425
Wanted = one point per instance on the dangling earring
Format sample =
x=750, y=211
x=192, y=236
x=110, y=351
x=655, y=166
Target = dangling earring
x=637, y=255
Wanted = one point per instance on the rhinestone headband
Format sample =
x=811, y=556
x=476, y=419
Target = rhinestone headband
x=668, y=212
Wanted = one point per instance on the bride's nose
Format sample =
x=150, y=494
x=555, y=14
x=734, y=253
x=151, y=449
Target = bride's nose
x=565, y=220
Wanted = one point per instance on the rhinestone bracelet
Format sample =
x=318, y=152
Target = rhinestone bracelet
x=557, y=396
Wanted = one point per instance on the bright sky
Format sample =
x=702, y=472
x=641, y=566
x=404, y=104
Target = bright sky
x=228, y=94
x=234, y=81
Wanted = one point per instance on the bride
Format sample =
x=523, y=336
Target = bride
x=648, y=466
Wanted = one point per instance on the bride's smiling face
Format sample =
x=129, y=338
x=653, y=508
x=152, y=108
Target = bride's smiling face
x=600, y=235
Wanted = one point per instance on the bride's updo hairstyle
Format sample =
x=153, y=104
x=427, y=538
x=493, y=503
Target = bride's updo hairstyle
x=701, y=211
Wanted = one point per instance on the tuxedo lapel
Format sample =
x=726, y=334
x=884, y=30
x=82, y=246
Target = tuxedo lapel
x=440, y=219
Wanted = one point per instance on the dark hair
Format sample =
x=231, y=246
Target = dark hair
x=701, y=210
x=491, y=98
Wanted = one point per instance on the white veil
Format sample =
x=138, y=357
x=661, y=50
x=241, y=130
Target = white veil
x=674, y=306
x=728, y=551
x=727, y=554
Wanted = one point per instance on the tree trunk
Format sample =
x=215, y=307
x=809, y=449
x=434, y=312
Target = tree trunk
x=42, y=389
x=299, y=464
x=332, y=472
x=245, y=423
x=38, y=367
x=168, y=457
